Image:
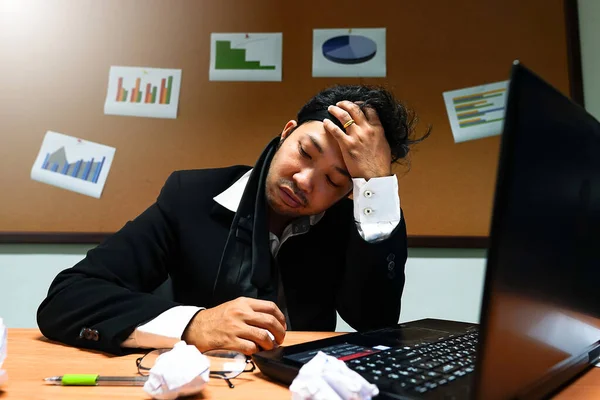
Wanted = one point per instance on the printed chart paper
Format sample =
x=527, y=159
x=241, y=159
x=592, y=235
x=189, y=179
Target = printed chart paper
x=73, y=164
x=349, y=53
x=143, y=92
x=476, y=112
x=245, y=57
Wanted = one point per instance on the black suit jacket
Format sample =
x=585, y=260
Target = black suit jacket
x=182, y=235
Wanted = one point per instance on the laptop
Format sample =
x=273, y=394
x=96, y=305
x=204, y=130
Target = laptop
x=540, y=314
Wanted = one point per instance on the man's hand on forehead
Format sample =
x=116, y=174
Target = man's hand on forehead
x=365, y=149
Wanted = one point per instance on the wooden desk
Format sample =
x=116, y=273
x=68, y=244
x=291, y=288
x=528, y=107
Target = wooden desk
x=31, y=357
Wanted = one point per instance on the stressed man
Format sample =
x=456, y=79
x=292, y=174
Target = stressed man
x=313, y=228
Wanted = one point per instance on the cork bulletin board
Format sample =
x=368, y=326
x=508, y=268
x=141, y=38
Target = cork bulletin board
x=56, y=56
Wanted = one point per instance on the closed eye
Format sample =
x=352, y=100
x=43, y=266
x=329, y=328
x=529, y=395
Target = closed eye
x=302, y=152
x=332, y=183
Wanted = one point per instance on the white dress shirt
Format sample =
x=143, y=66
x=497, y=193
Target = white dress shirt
x=376, y=214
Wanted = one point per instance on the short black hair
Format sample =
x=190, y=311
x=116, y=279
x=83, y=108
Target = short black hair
x=397, y=120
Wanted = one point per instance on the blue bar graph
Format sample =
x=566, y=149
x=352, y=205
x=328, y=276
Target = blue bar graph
x=97, y=173
x=45, y=164
x=76, y=169
x=86, y=170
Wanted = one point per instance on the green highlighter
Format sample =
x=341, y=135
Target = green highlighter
x=95, y=380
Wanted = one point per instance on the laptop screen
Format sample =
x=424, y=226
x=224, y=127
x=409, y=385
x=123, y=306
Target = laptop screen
x=542, y=295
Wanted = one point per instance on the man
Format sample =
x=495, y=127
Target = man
x=252, y=253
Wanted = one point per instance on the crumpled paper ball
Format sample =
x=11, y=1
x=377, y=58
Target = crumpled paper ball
x=182, y=371
x=327, y=378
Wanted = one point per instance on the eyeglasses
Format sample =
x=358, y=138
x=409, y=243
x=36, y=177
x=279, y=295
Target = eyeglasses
x=224, y=364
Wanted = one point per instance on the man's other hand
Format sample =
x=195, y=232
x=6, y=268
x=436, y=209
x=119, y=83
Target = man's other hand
x=242, y=324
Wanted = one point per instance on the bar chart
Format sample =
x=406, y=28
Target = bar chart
x=245, y=57
x=230, y=58
x=149, y=95
x=87, y=170
x=143, y=92
x=476, y=112
x=479, y=108
x=74, y=164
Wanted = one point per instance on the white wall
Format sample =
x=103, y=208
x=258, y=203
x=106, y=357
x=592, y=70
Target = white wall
x=589, y=29
x=25, y=275
x=440, y=283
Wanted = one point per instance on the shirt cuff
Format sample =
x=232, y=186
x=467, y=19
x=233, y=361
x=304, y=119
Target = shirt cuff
x=163, y=331
x=376, y=207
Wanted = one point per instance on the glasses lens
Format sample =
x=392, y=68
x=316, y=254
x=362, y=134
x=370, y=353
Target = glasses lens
x=148, y=361
x=226, y=364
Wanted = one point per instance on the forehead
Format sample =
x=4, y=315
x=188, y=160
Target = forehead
x=315, y=131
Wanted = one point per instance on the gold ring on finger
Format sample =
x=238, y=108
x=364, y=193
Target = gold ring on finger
x=347, y=124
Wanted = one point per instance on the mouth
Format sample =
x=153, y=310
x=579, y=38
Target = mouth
x=289, y=198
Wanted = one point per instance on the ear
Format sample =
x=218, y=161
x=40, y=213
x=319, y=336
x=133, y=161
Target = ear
x=287, y=129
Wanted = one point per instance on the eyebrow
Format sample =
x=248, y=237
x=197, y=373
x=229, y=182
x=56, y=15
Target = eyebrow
x=344, y=172
x=315, y=142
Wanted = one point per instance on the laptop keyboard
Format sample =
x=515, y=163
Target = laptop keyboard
x=419, y=368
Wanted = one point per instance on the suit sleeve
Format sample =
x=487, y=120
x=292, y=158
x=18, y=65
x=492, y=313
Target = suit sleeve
x=99, y=302
x=370, y=291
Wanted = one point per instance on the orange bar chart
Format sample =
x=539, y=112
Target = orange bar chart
x=145, y=92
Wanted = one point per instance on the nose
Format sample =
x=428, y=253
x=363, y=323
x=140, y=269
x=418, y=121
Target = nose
x=303, y=180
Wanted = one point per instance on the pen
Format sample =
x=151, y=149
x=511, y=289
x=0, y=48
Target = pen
x=95, y=380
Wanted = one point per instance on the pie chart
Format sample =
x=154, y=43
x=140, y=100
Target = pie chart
x=349, y=49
